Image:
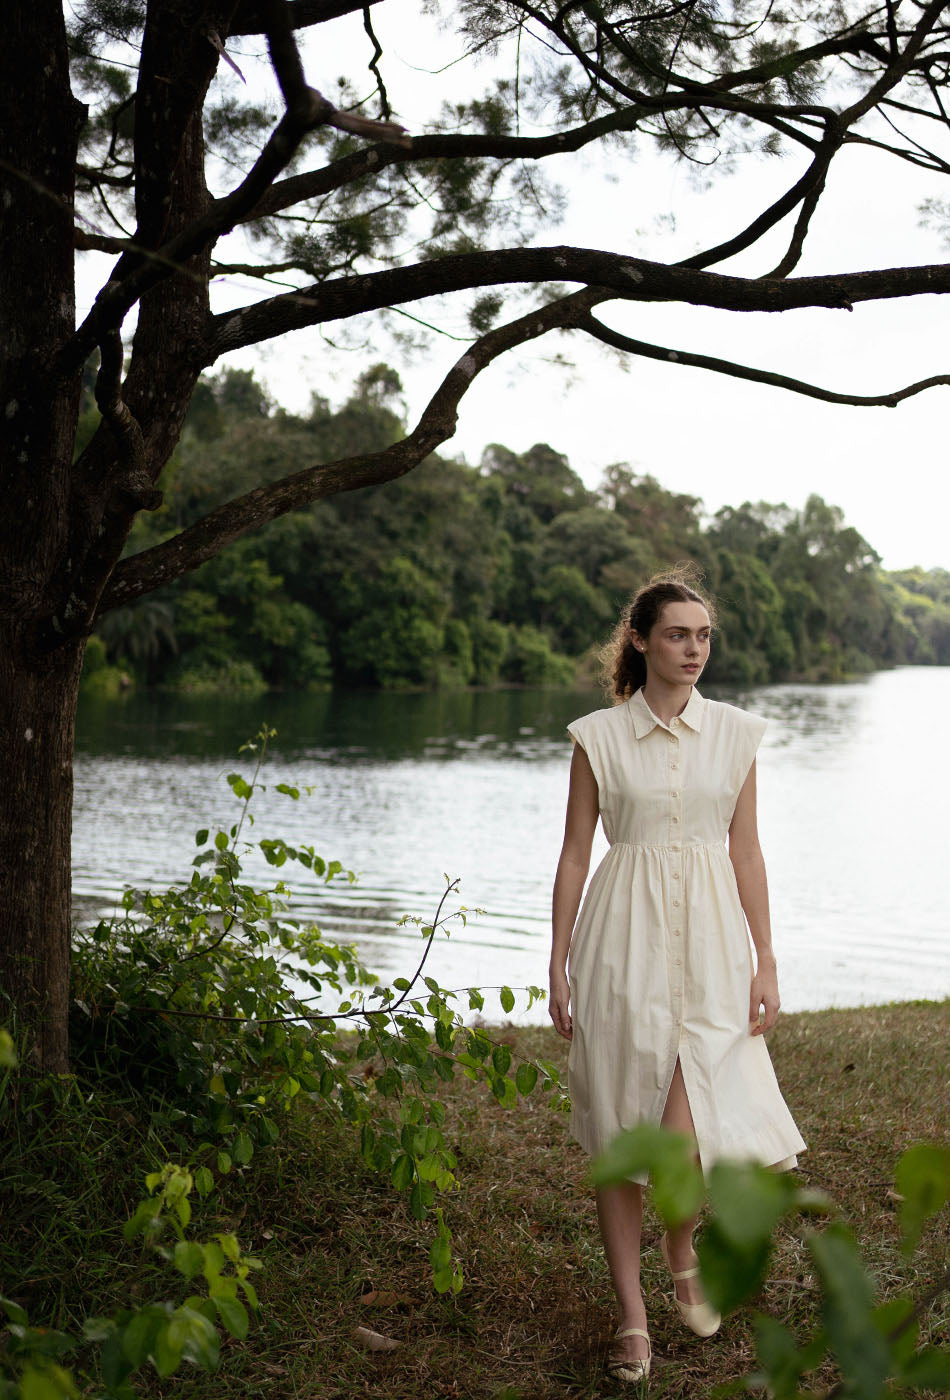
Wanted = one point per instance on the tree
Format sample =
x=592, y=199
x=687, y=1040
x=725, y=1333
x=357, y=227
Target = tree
x=112, y=138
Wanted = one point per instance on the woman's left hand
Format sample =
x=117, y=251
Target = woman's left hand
x=764, y=994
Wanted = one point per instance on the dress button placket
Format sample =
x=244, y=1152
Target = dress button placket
x=676, y=813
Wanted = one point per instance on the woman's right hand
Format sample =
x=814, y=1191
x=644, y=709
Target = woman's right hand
x=559, y=1004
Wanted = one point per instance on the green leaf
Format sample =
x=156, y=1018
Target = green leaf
x=224, y=1163
x=928, y=1370
x=51, y=1384
x=201, y=836
x=242, y=1149
x=189, y=1258
x=402, y=1173
x=748, y=1202
x=196, y=1336
x=923, y=1179
x=779, y=1356
x=666, y=1157
x=862, y=1353
x=732, y=1273
x=420, y=1199
x=501, y=1058
x=507, y=997
x=268, y=1131
x=204, y=1181
x=476, y=1001
x=896, y=1316
x=14, y=1312
x=167, y=1350
x=234, y=1316
x=504, y=1091
x=444, y=1068
x=526, y=1076
x=138, y=1337
x=440, y=1251
x=221, y=843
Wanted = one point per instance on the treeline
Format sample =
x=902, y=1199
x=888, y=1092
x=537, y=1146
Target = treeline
x=509, y=572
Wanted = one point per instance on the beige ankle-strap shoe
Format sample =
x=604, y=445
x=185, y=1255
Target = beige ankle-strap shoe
x=631, y=1372
x=701, y=1318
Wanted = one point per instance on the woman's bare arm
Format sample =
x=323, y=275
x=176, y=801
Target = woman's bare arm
x=572, y=868
x=749, y=865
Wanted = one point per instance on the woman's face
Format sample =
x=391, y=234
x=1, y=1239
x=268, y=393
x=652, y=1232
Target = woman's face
x=677, y=648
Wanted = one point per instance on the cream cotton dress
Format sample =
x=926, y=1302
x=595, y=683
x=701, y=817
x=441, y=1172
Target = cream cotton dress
x=661, y=959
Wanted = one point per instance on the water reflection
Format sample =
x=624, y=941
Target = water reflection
x=408, y=787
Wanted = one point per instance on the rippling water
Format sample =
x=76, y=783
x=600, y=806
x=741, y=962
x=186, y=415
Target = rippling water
x=852, y=796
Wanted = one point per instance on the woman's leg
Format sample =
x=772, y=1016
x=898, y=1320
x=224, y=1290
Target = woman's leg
x=679, y=1119
x=620, y=1215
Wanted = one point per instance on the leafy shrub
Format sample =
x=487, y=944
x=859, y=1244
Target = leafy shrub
x=190, y=996
x=162, y=1334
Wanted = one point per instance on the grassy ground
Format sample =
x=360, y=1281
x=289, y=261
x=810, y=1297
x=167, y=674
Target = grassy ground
x=536, y=1312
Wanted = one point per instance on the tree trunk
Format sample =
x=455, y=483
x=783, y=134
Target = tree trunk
x=41, y=630
x=37, y=722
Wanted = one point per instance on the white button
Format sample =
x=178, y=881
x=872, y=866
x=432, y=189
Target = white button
x=675, y=820
x=673, y=739
x=676, y=873
x=675, y=848
x=676, y=904
x=674, y=767
x=676, y=933
x=674, y=793
x=676, y=962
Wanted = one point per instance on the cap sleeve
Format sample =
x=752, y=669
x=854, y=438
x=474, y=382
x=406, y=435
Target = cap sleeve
x=585, y=732
x=749, y=736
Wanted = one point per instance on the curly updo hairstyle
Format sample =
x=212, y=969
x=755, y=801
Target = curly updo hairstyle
x=624, y=668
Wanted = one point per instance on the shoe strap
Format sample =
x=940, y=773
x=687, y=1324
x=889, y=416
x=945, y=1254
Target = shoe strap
x=631, y=1332
x=684, y=1273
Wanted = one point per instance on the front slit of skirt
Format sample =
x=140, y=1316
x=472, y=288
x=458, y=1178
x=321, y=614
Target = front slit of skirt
x=691, y=1099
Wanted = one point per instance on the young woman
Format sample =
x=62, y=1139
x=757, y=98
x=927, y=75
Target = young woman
x=664, y=1008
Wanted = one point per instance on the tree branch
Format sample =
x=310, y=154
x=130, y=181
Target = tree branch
x=306, y=110
x=132, y=480
x=645, y=350
x=898, y=68
x=629, y=279
x=813, y=180
x=141, y=573
x=830, y=146
x=302, y=14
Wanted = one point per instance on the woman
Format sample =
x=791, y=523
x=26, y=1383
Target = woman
x=664, y=1010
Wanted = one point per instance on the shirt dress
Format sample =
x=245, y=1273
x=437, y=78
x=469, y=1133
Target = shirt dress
x=661, y=959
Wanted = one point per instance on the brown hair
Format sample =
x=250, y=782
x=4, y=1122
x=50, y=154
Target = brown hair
x=624, y=669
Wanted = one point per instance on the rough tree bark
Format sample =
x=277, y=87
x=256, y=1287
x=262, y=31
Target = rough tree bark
x=38, y=678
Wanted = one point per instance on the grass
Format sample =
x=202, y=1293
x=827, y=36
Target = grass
x=536, y=1312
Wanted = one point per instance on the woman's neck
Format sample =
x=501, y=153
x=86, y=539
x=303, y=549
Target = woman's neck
x=666, y=701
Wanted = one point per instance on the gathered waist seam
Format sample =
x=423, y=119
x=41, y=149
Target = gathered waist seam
x=674, y=849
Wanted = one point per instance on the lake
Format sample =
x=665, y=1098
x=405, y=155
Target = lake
x=406, y=788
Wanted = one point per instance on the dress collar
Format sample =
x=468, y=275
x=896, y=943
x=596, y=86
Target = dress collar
x=645, y=721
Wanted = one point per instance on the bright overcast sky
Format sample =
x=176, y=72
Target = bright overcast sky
x=711, y=436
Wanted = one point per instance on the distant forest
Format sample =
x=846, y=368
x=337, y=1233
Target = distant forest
x=509, y=572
